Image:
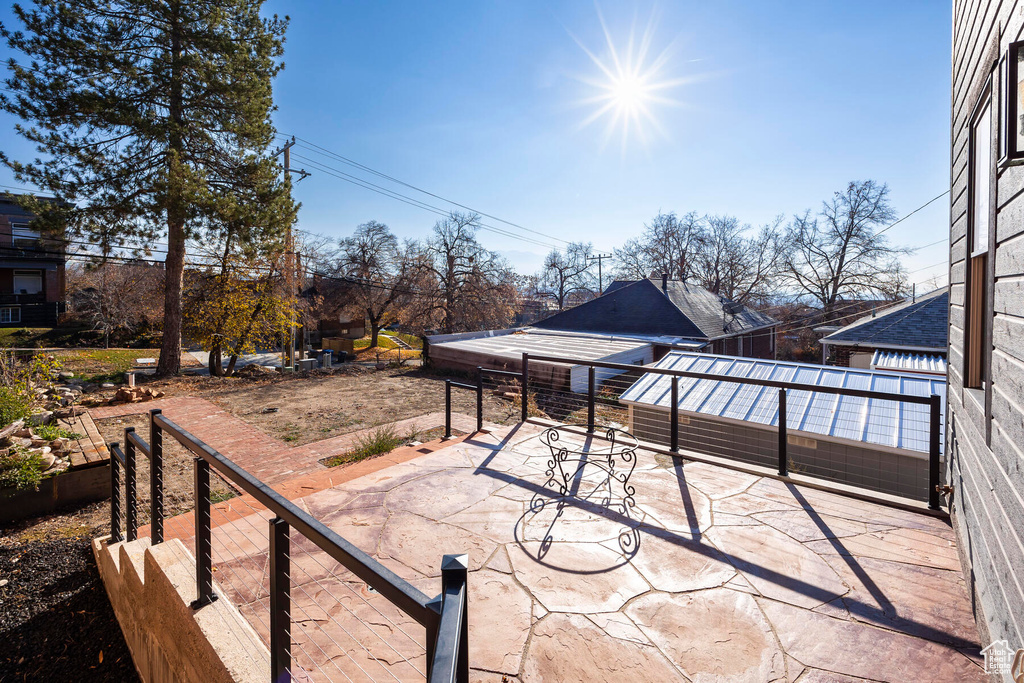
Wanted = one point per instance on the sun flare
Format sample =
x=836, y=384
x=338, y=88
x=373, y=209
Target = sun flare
x=630, y=85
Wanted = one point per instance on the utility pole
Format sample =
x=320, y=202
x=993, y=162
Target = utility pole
x=290, y=272
x=600, y=280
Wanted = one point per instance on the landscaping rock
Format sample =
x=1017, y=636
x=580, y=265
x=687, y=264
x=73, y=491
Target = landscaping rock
x=108, y=385
x=65, y=375
x=11, y=428
x=90, y=387
x=23, y=433
x=43, y=418
x=38, y=442
x=48, y=460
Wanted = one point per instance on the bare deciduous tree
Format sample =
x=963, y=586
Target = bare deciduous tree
x=379, y=272
x=464, y=286
x=118, y=299
x=740, y=268
x=838, y=253
x=567, y=273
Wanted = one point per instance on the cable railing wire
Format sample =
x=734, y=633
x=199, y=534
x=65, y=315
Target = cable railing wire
x=220, y=521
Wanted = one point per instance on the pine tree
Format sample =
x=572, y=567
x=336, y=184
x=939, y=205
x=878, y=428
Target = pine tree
x=152, y=120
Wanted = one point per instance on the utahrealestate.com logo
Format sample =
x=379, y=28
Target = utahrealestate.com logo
x=1001, y=659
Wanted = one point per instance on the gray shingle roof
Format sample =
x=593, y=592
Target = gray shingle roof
x=923, y=323
x=640, y=307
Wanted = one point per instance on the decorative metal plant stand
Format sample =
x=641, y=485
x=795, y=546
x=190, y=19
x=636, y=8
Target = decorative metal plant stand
x=618, y=460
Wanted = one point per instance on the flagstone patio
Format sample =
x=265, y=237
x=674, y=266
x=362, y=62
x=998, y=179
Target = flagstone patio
x=714, y=575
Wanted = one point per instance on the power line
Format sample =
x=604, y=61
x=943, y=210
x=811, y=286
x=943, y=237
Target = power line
x=341, y=175
x=356, y=164
x=894, y=224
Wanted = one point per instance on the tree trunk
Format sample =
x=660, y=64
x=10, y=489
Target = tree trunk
x=174, y=264
x=214, y=362
x=231, y=365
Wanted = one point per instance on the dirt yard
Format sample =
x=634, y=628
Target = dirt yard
x=311, y=407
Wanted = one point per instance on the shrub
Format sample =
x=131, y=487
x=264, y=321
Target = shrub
x=51, y=432
x=14, y=405
x=378, y=441
x=21, y=470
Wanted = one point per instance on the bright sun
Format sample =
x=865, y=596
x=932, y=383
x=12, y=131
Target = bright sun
x=630, y=85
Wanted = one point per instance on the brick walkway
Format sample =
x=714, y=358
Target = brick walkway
x=265, y=457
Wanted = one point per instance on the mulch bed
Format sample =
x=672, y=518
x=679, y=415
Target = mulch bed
x=56, y=623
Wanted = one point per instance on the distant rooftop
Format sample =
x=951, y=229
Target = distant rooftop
x=683, y=309
x=919, y=323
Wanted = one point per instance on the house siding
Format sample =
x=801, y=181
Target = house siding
x=986, y=463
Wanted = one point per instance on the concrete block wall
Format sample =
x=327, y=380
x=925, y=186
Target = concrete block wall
x=150, y=589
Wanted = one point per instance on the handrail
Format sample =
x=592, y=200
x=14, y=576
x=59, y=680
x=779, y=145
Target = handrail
x=132, y=437
x=933, y=401
x=397, y=590
x=450, y=661
x=795, y=386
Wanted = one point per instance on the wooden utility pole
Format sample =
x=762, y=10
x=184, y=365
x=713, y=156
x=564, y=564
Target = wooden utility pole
x=600, y=280
x=290, y=266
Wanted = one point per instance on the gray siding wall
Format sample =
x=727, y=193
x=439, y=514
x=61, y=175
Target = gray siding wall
x=986, y=429
x=883, y=471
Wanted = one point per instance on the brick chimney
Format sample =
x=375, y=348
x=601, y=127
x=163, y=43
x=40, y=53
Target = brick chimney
x=664, y=283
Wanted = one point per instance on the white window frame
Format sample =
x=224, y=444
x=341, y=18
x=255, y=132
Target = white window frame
x=21, y=232
x=27, y=274
x=9, y=312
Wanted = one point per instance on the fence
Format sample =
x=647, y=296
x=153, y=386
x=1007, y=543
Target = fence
x=864, y=463
x=294, y=585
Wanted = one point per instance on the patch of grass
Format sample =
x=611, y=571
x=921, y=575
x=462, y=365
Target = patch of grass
x=51, y=432
x=378, y=441
x=410, y=339
x=102, y=365
x=221, y=496
x=35, y=337
x=21, y=470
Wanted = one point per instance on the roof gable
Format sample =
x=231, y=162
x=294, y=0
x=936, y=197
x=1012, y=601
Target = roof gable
x=635, y=308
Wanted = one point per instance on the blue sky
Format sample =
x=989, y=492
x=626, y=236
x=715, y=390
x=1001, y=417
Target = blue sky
x=483, y=103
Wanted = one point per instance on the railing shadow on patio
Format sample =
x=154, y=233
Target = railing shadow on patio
x=271, y=572
x=694, y=543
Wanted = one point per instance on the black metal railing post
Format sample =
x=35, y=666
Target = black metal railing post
x=432, y=628
x=131, y=492
x=115, y=495
x=526, y=384
x=934, y=457
x=591, y=386
x=156, y=479
x=447, y=409
x=451, y=653
x=674, y=439
x=479, y=399
x=204, y=534
x=280, y=603
x=783, y=438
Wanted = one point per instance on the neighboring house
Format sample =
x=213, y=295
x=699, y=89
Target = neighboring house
x=672, y=308
x=31, y=270
x=910, y=337
x=342, y=327
x=986, y=312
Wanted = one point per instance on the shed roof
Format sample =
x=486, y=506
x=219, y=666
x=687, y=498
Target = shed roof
x=579, y=346
x=920, y=323
x=905, y=361
x=892, y=424
x=641, y=306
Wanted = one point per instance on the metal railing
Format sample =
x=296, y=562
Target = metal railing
x=445, y=617
x=478, y=387
x=934, y=402
x=784, y=450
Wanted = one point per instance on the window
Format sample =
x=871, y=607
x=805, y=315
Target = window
x=10, y=315
x=28, y=282
x=24, y=235
x=1011, y=124
x=979, y=183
